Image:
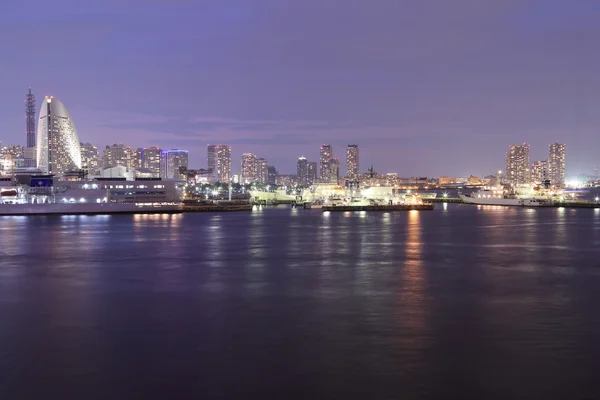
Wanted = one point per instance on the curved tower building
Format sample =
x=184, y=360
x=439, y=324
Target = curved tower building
x=58, y=148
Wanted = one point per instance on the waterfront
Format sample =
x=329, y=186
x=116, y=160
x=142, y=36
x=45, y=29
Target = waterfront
x=463, y=301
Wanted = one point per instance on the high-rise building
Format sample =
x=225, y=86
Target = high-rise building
x=556, y=164
x=539, y=171
x=57, y=141
x=352, y=161
x=116, y=155
x=151, y=159
x=517, y=165
x=326, y=154
x=262, y=170
x=311, y=172
x=334, y=170
x=90, y=158
x=219, y=162
x=248, y=168
x=172, y=162
x=302, y=171
x=272, y=175
x=30, y=119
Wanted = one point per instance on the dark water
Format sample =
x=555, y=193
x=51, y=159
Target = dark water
x=461, y=302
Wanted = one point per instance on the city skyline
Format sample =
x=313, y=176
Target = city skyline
x=264, y=96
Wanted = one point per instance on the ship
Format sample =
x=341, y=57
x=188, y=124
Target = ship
x=47, y=195
x=503, y=197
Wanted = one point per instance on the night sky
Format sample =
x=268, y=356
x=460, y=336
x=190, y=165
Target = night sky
x=425, y=87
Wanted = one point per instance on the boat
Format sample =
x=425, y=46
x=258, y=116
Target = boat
x=503, y=197
x=46, y=195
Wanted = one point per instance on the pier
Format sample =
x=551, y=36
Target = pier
x=203, y=206
x=394, y=207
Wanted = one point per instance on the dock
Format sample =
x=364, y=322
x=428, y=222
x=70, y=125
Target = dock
x=383, y=207
x=446, y=200
x=216, y=207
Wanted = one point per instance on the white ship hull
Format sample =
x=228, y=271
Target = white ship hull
x=498, y=201
x=87, y=208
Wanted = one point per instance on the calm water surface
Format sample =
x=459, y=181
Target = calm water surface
x=462, y=302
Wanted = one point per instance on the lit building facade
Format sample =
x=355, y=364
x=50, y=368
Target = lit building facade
x=517, y=165
x=90, y=158
x=248, y=168
x=152, y=159
x=326, y=154
x=137, y=160
x=262, y=171
x=352, y=161
x=58, y=149
x=11, y=158
x=117, y=155
x=556, y=164
x=219, y=162
x=172, y=162
x=302, y=171
x=539, y=171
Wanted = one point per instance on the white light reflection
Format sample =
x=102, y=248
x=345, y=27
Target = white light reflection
x=256, y=281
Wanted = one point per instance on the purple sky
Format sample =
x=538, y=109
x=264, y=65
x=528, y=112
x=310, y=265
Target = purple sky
x=425, y=87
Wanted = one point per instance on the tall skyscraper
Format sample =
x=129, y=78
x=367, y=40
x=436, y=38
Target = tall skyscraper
x=90, y=158
x=325, y=168
x=151, y=159
x=517, y=165
x=325, y=155
x=352, y=161
x=171, y=163
x=302, y=171
x=539, y=171
x=219, y=161
x=58, y=148
x=262, y=170
x=311, y=172
x=30, y=119
x=556, y=164
x=248, y=168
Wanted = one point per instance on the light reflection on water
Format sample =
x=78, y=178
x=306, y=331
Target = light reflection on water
x=343, y=300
